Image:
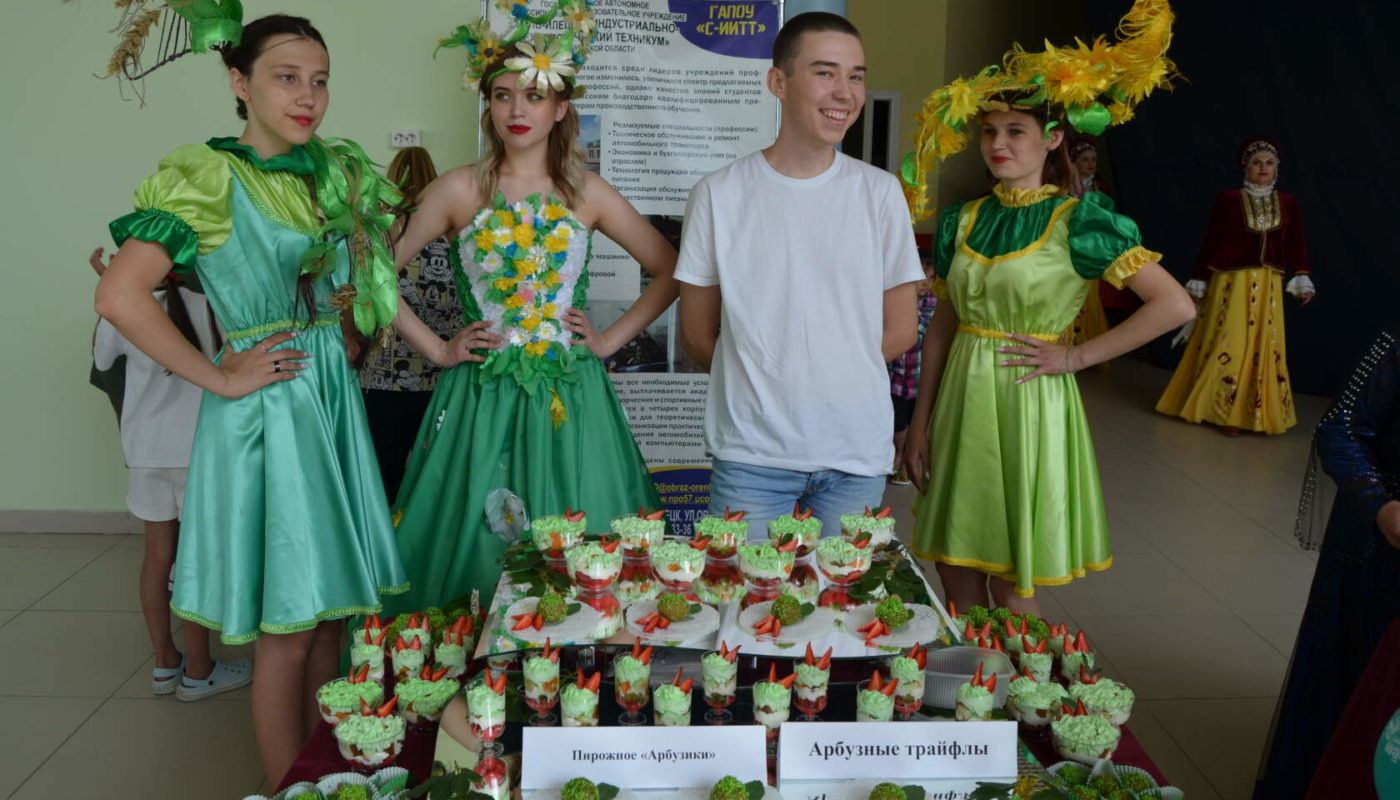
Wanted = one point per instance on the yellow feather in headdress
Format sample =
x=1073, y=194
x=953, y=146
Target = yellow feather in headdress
x=1096, y=84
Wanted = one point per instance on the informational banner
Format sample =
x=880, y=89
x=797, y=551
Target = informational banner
x=675, y=89
x=896, y=750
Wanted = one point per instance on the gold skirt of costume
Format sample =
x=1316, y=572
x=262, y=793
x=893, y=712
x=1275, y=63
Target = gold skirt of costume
x=1091, y=320
x=1235, y=369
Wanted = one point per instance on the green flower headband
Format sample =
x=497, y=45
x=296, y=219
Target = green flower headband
x=545, y=61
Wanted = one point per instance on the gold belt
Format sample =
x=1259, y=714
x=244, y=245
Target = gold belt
x=991, y=334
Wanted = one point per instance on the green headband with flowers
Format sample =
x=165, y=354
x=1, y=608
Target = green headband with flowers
x=545, y=61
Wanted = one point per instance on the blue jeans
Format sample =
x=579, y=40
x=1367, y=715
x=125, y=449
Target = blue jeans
x=767, y=493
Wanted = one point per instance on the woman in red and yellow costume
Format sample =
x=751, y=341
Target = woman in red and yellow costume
x=1235, y=370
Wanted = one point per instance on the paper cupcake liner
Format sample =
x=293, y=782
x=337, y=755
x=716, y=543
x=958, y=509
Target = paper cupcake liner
x=298, y=790
x=389, y=780
x=330, y=783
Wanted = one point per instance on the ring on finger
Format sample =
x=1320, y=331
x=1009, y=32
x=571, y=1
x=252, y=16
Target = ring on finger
x=276, y=366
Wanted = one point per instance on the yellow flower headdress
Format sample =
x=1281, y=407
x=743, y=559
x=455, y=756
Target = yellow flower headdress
x=544, y=60
x=1097, y=85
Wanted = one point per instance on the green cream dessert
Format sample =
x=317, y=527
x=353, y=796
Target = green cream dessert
x=675, y=562
x=1039, y=664
x=888, y=791
x=347, y=792
x=873, y=705
x=371, y=654
x=974, y=703
x=1107, y=698
x=807, y=531
x=911, y=680
x=593, y=563
x=1085, y=739
x=672, y=705
x=370, y=740
x=578, y=706
x=724, y=534
x=638, y=533
x=729, y=788
x=422, y=700
x=408, y=662
x=557, y=532
x=340, y=698
x=1071, y=662
x=718, y=676
x=541, y=678
x=764, y=563
x=772, y=702
x=1033, y=703
x=452, y=656
x=632, y=675
x=812, y=680
x=486, y=709
x=881, y=529
x=840, y=560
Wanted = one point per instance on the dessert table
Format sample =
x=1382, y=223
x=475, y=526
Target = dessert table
x=852, y=661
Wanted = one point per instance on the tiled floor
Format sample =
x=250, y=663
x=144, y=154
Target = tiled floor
x=1198, y=615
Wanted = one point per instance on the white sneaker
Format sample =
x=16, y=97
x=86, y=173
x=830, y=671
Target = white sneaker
x=164, y=680
x=225, y=677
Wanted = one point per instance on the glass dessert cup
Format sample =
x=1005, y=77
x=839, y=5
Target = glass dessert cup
x=637, y=582
x=493, y=779
x=842, y=575
x=864, y=714
x=542, y=690
x=673, y=717
x=772, y=719
x=909, y=697
x=367, y=756
x=676, y=571
x=721, y=580
x=718, y=691
x=487, y=720
x=765, y=570
x=633, y=698
x=810, y=698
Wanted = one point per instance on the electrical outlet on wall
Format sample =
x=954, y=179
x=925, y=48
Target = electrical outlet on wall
x=401, y=139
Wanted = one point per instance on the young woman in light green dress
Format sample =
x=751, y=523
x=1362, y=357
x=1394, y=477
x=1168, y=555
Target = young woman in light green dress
x=1009, y=488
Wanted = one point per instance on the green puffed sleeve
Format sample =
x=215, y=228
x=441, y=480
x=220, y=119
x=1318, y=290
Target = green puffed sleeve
x=945, y=239
x=184, y=206
x=1104, y=244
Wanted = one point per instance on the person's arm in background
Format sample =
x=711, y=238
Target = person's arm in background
x=698, y=272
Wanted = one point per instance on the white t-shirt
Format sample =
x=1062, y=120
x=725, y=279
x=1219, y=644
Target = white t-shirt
x=798, y=380
x=158, y=409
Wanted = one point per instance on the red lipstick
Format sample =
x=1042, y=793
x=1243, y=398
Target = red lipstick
x=304, y=122
x=518, y=129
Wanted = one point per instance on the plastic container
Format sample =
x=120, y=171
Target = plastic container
x=950, y=667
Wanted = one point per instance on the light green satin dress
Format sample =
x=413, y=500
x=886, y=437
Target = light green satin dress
x=539, y=418
x=1014, y=486
x=285, y=521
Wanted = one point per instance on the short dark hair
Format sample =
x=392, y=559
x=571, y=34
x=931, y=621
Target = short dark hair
x=789, y=37
x=256, y=34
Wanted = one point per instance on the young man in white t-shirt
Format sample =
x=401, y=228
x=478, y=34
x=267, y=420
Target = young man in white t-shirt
x=798, y=276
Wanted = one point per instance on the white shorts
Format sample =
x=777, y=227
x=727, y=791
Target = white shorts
x=155, y=494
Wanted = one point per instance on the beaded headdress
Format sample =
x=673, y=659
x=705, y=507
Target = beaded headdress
x=1095, y=85
x=1079, y=147
x=548, y=61
x=1253, y=145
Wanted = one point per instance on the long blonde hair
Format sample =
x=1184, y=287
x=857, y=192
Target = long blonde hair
x=564, y=158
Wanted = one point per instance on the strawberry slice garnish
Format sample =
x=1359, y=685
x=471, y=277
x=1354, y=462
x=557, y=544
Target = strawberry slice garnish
x=883, y=513
x=702, y=542
x=365, y=708
x=388, y=708
x=888, y=689
x=862, y=540
x=734, y=516
x=653, y=516
x=1026, y=671
x=876, y=684
x=573, y=516
x=1081, y=642
x=810, y=658
x=499, y=687
x=594, y=682
x=439, y=674
x=773, y=672
x=953, y=609
x=1085, y=677
x=825, y=661
x=977, y=676
x=426, y=673
x=991, y=683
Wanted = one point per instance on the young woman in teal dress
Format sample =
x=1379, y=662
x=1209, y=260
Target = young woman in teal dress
x=286, y=529
x=1009, y=488
x=533, y=411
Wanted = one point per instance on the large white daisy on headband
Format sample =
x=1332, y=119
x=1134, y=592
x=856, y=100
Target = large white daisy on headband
x=544, y=64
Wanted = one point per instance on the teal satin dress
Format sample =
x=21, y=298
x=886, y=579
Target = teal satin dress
x=285, y=521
